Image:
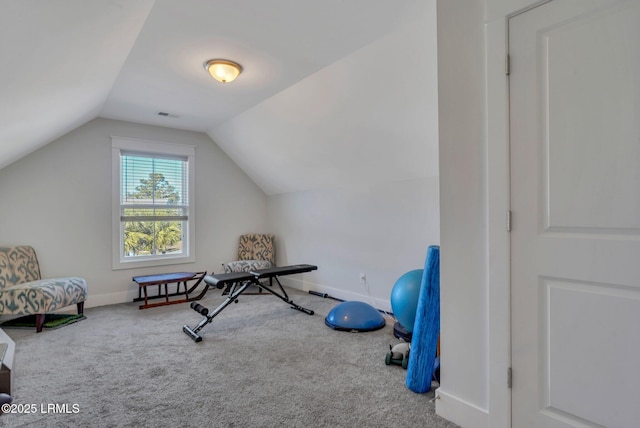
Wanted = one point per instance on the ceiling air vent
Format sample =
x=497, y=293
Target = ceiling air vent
x=165, y=114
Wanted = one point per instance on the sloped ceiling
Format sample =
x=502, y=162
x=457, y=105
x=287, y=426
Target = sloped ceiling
x=367, y=119
x=66, y=62
x=59, y=61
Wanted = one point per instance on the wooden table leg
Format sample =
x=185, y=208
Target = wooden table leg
x=186, y=291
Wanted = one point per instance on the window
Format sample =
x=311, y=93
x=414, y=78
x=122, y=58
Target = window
x=152, y=203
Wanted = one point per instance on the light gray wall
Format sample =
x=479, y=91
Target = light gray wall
x=381, y=230
x=58, y=199
x=351, y=164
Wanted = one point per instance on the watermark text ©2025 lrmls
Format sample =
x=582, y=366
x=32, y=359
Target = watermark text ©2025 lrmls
x=42, y=408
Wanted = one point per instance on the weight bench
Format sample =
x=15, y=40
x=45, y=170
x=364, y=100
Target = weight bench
x=237, y=283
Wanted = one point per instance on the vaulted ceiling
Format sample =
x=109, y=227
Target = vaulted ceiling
x=66, y=62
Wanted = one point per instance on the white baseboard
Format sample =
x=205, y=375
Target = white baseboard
x=459, y=411
x=300, y=284
x=95, y=300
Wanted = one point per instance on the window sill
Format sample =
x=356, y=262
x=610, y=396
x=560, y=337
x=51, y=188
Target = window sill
x=152, y=261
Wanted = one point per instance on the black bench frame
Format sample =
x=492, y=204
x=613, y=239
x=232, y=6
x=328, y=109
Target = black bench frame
x=237, y=283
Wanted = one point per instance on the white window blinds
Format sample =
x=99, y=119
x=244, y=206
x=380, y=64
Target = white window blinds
x=154, y=187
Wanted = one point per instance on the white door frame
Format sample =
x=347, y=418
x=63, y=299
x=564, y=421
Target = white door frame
x=498, y=204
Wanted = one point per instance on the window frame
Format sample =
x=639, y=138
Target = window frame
x=157, y=149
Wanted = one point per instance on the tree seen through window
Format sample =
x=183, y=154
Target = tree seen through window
x=150, y=211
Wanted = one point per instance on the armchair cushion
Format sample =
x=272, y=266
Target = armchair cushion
x=246, y=265
x=42, y=296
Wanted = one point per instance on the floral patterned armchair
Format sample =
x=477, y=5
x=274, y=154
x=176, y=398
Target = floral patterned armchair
x=24, y=292
x=255, y=251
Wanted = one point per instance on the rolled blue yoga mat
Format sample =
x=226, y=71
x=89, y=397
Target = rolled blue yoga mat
x=426, y=328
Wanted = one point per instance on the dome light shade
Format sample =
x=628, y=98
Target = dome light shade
x=223, y=70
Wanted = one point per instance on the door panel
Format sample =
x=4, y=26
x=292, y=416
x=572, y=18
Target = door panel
x=575, y=197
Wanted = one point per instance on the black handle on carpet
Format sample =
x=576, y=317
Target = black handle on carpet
x=324, y=295
x=317, y=293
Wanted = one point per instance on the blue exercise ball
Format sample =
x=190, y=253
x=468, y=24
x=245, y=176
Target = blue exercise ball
x=354, y=316
x=404, y=298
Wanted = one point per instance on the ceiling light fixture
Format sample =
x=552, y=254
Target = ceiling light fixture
x=223, y=70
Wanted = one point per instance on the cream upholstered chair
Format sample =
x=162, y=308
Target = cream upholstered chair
x=24, y=292
x=255, y=251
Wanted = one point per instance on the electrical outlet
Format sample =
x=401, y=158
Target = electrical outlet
x=363, y=277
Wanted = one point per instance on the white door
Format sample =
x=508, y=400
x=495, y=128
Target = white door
x=574, y=90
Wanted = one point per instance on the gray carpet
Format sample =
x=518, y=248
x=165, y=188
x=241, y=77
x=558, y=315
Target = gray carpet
x=260, y=364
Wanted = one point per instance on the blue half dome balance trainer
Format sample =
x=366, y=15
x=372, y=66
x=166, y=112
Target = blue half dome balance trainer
x=355, y=317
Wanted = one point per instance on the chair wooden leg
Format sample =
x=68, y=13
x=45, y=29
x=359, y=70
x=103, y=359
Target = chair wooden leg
x=80, y=307
x=39, y=322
